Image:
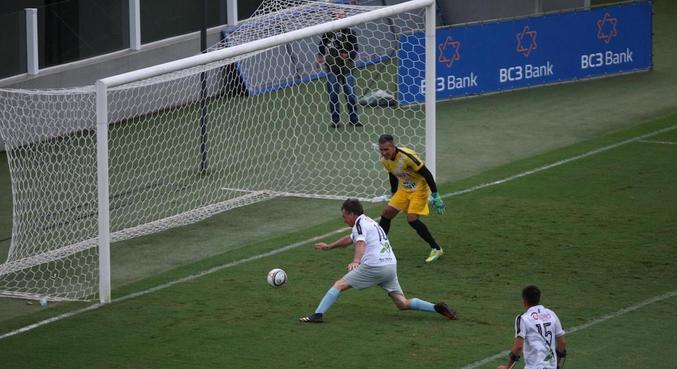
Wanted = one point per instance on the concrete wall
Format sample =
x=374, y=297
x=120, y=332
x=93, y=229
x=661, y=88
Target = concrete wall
x=86, y=72
x=464, y=11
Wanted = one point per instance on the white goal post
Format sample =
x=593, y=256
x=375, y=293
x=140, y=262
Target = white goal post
x=262, y=134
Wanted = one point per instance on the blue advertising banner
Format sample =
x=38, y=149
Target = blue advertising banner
x=504, y=55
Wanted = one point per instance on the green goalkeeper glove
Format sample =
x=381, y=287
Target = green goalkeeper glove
x=438, y=203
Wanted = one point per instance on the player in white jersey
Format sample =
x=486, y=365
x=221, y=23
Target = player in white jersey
x=539, y=334
x=374, y=263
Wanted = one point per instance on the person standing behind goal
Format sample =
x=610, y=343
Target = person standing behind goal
x=410, y=183
x=337, y=52
x=539, y=333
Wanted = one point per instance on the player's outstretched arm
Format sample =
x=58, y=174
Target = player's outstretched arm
x=341, y=242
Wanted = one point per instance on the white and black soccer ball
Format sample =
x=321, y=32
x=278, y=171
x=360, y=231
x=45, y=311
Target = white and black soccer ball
x=277, y=278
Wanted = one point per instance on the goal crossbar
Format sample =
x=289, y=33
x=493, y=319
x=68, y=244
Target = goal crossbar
x=264, y=43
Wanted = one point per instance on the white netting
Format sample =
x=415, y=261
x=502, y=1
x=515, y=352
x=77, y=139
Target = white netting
x=51, y=148
x=186, y=145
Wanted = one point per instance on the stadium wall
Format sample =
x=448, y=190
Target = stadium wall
x=489, y=57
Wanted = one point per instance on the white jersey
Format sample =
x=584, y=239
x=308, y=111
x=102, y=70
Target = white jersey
x=539, y=327
x=377, y=251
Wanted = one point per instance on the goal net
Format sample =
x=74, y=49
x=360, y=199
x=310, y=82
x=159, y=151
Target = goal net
x=182, y=141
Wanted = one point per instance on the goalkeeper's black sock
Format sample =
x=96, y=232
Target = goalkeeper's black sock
x=385, y=224
x=422, y=231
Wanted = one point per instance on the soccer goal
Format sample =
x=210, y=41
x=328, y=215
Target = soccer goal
x=173, y=144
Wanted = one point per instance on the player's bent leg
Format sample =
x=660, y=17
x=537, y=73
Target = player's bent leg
x=436, y=251
x=403, y=303
x=399, y=300
x=386, y=217
x=441, y=308
x=327, y=301
x=418, y=206
x=341, y=285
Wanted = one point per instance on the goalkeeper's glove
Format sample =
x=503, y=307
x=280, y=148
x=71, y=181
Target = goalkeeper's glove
x=438, y=203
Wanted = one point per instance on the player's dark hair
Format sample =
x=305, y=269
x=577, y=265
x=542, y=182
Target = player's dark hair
x=532, y=295
x=386, y=138
x=353, y=206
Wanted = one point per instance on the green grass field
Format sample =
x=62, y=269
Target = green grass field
x=597, y=234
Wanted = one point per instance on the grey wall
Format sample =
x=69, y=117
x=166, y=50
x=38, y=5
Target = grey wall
x=86, y=72
x=464, y=11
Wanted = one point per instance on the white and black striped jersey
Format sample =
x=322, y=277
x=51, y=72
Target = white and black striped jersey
x=539, y=326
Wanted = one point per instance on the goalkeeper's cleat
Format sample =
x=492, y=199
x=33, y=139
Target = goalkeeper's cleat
x=313, y=318
x=444, y=310
x=434, y=255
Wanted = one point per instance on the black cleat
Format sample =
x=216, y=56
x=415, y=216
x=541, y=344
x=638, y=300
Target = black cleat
x=313, y=318
x=443, y=309
x=335, y=125
x=357, y=124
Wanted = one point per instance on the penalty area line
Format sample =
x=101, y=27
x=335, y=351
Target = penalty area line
x=616, y=314
x=344, y=229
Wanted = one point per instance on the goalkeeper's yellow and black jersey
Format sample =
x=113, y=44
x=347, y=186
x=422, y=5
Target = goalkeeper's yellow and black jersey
x=405, y=167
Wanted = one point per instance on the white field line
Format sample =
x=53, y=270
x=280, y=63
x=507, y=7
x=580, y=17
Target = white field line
x=558, y=163
x=659, y=142
x=504, y=354
x=341, y=230
x=174, y=282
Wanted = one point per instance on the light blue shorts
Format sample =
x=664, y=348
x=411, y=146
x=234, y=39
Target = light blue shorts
x=365, y=276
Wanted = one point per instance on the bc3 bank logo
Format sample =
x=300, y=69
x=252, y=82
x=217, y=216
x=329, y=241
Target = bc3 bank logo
x=606, y=31
x=526, y=44
x=526, y=41
x=450, y=52
x=606, y=28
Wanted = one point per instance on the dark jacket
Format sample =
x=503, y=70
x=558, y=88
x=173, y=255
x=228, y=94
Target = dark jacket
x=333, y=44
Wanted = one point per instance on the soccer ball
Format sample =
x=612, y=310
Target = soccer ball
x=277, y=278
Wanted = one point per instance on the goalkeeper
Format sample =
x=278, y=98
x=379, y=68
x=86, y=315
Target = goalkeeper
x=410, y=183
